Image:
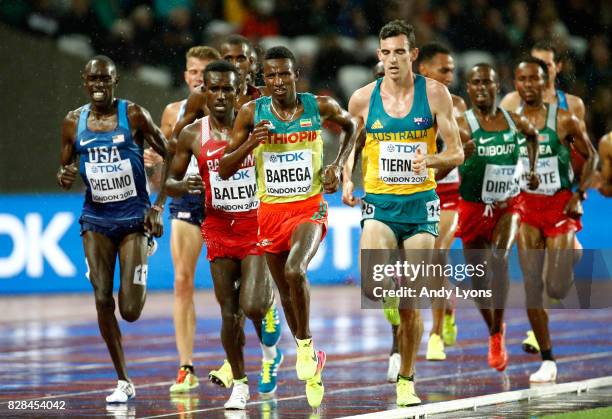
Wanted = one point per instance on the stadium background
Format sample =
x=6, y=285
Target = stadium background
x=46, y=43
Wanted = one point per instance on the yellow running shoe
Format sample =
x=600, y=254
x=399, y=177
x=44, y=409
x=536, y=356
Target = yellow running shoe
x=435, y=349
x=449, y=329
x=306, y=361
x=530, y=344
x=406, y=396
x=314, y=386
x=390, y=308
x=223, y=376
x=185, y=381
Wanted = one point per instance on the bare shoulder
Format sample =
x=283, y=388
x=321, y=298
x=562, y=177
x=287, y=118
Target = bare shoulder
x=438, y=95
x=360, y=99
x=605, y=144
x=511, y=101
x=458, y=104
x=575, y=104
x=173, y=108
x=190, y=131
x=72, y=117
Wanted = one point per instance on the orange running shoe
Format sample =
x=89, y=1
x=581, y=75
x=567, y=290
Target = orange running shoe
x=498, y=356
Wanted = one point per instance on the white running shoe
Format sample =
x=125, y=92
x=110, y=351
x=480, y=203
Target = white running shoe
x=395, y=362
x=125, y=390
x=546, y=374
x=240, y=396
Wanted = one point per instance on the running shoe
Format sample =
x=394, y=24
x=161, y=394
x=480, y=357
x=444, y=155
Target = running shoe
x=406, y=396
x=395, y=361
x=270, y=327
x=125, y=391
x=546, y=374
x=530, y=344
x=223, y=376
x=306, y=362
x=267, y=377
x=185, y=381
x=498, y=356
x=314, y=386
x=435, y=348
x=449, y=329
x=240, y=396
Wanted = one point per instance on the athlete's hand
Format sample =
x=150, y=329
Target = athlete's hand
x=66, y=175
x=347, y=193
x=151, y=158
x=153, y=222
x=573, y=208
x=331, y=178
x=260, y=133
x=419, y=164
x=194, y=185
x=469, y=148
x=533, y=181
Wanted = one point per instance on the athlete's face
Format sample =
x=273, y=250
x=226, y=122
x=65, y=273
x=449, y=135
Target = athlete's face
x=549, y=58
x=440, y=68
x=396, y=55
x=100, y=79
x=529, y=82
x=240, y=56
x=482, y=86
x=280, y=78
x=194, y=73
x=221, y=90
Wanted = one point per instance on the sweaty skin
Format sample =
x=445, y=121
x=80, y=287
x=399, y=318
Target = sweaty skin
x=605, y=157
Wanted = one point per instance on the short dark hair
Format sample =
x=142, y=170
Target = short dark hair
x=238, y=40
x=483, y=65
x=547, y=45
x=533, y=60
x=428, y=51
x=221, y=66
x=279, y=52
x=398, y=27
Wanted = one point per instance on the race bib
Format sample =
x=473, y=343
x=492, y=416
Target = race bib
x=501, y=182
x=367, y=210
x=236, y=194
x=395, y=163
x=547, y=170
x=110, y=182
x=433, y=210
x=452, y=177
x=288, y=173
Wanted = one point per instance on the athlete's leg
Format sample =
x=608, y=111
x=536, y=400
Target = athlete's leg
x=447, y=227
x=473, y=252
x=133, y=268
x=504, y=235
x=256, y=294
x=560, y=264
x=185, y=246
x=531, y=245
x=225, y=272
x=101, y=254
x=276, y=264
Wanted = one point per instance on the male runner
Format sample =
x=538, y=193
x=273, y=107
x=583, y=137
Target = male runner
x=436, y=62
x=402, y=113
x=605, y=157
x=186, y=213
x=551, y=213
x=230, y=231
x=488, y=212
x=284, y=133
x=107, y=136
x=545, y=51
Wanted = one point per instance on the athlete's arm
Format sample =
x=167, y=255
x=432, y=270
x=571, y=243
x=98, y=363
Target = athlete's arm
x=194, y=109
x=510, y=102
x=331, y=111
x=67, y=173
x=576, y=134
x=605, y=157
x=152, y=160
x=177, y=184
x=459, y=106
x=533, y=147
x=147, y=131
x=245, y=137
x=466, y=142
x=441, y=106
x=576, y=106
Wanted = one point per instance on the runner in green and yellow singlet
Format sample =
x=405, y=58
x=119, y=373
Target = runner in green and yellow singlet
x=551, y=213
x=402, y=114
x=488, y=214
x=284, y=133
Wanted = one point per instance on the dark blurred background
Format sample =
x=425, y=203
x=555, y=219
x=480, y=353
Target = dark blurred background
x=45, y=43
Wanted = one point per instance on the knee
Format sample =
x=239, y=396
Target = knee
x=558, y=290
x=295, y=274
x=253, y=309
x=183, y=285
x=104, y=301
x=130, y=312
